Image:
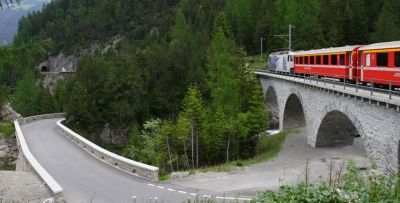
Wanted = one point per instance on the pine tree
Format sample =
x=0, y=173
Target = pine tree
x=222, y=78
x=26, y=95
x=257, y=115
x=3, y=95
x=387, y=26
x=193, y=111
x=45, y=102
x=4, y=3
x=358, y=33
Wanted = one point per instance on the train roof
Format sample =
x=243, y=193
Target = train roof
x=327, y=50
x=281, y=52
x=382, y=45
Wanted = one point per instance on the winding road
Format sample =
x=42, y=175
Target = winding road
x=87, y=179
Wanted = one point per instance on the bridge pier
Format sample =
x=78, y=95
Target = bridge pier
x=331, y=119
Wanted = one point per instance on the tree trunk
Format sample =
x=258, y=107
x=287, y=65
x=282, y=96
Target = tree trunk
x=238, y=147
x=186, y=157
x=192, y=145
x=177, y=162
x=169, y=154
x=227, y=147
x=197, y=150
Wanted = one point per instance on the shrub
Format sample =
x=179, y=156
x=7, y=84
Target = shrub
x=7, y=129
x=352, y=186
x=239, y=163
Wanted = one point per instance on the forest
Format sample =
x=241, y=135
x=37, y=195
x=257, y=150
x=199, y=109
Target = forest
x=176, y=92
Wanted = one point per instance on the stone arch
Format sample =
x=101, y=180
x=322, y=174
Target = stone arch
x=336, y=129
x=271, y=103
x=293, y=113
x=44, y=69
x=339, y=127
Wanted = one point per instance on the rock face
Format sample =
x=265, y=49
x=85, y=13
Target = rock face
x=59, y=63
x=22, y=187
x=8, y=113
x=178, y=175
x=62, y=63
x=49, y=79
x=56, y=68
x=273, y=118
x=8, y=153
x=114, y=136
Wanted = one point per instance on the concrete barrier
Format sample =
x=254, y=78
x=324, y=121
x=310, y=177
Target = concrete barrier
x=54, y=187
x=133, y=167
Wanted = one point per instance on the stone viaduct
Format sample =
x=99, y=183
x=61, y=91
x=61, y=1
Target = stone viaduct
x=334, y=115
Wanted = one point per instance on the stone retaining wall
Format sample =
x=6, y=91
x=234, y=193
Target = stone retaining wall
x=119, y=162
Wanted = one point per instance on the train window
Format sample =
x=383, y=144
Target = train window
x=326, y=60
x=319, y=59
x=368, y=60
x=306, y=60
x=397, y=59
x=312, y=59
x=301, y=60
x=334, y=59
x=341, y=58
x=382, y=59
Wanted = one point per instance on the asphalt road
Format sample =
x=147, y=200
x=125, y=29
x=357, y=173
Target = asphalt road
x=86, y=179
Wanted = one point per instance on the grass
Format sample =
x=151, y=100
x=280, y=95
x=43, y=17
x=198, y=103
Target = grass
x=6, y=163
x=165, y=177
x=7, y=129
x=268, y=147
x=346, y=184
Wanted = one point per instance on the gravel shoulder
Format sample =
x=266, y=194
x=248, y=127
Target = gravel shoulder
x=22, y=187
x=287, y=168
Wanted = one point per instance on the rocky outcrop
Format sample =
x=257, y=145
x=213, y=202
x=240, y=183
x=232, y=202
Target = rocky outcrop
x=273, y=118
x=59, y=63
x=62, y=63
x=8, y=153
x=49, y=80
x=16, y=186
x=113, y=44
x=55, y=69
x=179, y=175
x=114, y=136
x=8, y=113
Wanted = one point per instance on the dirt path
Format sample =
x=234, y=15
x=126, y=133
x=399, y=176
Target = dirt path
x=288, y=167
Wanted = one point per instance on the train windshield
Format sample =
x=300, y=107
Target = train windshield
x=290, y=58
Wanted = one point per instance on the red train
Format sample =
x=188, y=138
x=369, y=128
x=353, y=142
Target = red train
x=377, y=64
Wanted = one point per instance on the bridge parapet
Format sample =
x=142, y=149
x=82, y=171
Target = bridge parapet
x=133, y=167
x=31, y=162
x=31, y=119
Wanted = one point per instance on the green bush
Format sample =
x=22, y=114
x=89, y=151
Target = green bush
x=271, y=144
x=352, y=186
x=7, y=129
x=239, y=163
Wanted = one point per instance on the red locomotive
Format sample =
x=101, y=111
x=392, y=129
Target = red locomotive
x=377, y=64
